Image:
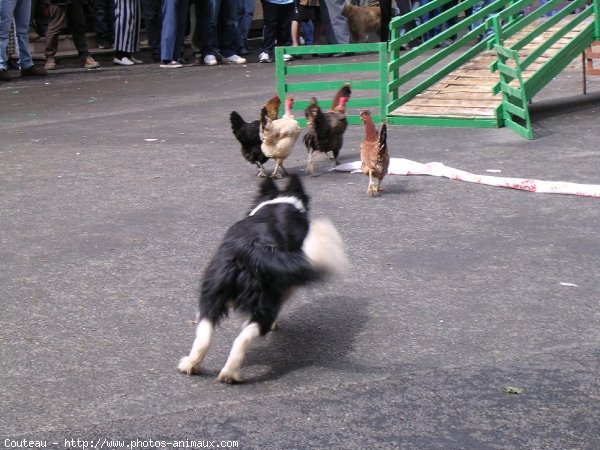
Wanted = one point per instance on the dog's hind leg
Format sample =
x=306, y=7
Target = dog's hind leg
x=191, y=363
x=231, y=370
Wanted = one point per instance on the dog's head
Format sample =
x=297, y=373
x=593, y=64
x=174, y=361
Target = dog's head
x=268, y=191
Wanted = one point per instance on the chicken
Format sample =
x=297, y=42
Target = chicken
x=248, y=134
x=279, y=136
x=374, y=155
x=326, y=130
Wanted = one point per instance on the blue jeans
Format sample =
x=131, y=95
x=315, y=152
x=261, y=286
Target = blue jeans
x=245, y=14
x=174, y=22
x=20, y=10
x=478, y=7
x=225, y=13
x=104, y=20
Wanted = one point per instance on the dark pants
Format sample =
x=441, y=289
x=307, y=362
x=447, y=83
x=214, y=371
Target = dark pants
x=104, y=20
x=220, y=27
x=385, y=6
x=151, y=12
x=277, y=25
x=60, y=15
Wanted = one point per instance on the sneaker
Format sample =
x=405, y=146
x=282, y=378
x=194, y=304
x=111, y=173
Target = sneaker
x=210, y=60
x=89, y=63
x=50, y=64
x=186, y=62
x=34, y=71
x=264, y=58
x=171, y=65
x=135, y=60
x=124, y=61
x=234, y=59
x=287, y=57
x=4, y=75
x=104, y=45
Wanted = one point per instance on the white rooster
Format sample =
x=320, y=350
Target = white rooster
x=279, y=136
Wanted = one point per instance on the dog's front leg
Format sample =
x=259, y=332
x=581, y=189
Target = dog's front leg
x=191, y=363
x=231, y=370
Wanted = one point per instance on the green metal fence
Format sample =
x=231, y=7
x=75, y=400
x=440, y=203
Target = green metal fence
x=321, y=78
x=406, y=66
x=517, y=91
x=397, y=75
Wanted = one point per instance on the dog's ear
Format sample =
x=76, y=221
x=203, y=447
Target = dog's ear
x=296, y=189
x=295, y=185
x=268, y=188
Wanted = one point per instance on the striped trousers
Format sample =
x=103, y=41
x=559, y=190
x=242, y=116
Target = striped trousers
x=128, y=14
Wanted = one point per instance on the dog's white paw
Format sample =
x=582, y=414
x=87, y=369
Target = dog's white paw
x=229, y=377
x=186, y=365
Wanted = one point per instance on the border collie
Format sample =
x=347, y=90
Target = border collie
x=260, y=262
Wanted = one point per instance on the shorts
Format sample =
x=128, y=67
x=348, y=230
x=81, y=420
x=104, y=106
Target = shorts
x=305, y=13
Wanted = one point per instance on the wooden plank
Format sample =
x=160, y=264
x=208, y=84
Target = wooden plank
x=457, y=95
x=458, y=103
x=443, y=111
x=467, y=91
x=478, y=81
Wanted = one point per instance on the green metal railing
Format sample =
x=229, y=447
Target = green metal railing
x=407, y=66
x=315, y=77
x=505, y=19
x=398, y=75
x=517, y=92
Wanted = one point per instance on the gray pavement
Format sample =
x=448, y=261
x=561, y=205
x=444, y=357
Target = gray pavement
x=116, y=186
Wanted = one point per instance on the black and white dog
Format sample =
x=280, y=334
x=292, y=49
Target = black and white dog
x=262, y=258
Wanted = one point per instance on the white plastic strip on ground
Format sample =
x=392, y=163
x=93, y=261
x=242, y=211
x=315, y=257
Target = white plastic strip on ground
x=401, y=166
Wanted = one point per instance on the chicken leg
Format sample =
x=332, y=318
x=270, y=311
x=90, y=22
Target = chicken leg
x=279, y=165
x=371, y=187
x=309, y=165
x=261, y=170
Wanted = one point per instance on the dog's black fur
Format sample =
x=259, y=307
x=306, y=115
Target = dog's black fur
x=260, y=260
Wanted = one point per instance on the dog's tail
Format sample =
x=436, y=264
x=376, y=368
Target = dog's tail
x=324, y=248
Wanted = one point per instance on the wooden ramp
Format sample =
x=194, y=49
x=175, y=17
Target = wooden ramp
x=467, y=93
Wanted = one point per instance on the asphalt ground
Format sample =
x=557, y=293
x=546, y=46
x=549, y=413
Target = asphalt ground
x=469, y=318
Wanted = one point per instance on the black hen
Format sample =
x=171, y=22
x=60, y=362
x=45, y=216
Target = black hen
x=248, y=134
x=326, y=129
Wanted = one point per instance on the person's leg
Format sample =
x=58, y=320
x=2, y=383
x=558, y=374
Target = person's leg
x=385, y=8
x=339, y=23
x=245, y=22
x=209, y=27
x=77, y=24
x=231, y=38
x=7, y=8
x=22, y=15
x=168, y=30
x=56, y=23
x=269, y=27
x=153, y=23
x=182, y=7
x=284, y=24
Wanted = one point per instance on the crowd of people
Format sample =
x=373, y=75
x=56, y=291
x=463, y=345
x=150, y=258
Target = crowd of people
x=218, y=29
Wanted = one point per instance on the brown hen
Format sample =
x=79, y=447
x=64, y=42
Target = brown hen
x=374, y=154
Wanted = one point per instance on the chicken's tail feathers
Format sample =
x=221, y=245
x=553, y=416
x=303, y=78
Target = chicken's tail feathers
x=324, y=248
x=310, y=140
x=383, y=135
x=236, y=120
x=264, y=120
